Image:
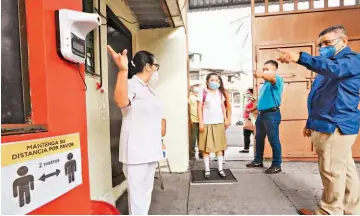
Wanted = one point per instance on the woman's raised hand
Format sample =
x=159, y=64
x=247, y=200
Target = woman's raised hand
x=120, y=59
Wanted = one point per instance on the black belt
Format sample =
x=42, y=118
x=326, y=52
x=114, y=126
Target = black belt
x=274, y=109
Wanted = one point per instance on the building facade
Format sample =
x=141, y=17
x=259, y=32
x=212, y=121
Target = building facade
x=233, y=82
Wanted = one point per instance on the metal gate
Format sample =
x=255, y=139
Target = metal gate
x=297, y=30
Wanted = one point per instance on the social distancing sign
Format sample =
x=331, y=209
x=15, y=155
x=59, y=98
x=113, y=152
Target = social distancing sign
x=35, y=172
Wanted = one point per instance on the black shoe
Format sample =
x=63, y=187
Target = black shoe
x=254, y=164
x=273, y=170
x=244, y=151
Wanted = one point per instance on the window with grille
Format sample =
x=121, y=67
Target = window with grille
x=237, y=97
x=194, y=75
x=88, y=6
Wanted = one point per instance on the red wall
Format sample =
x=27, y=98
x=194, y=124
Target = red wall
x=57, y=95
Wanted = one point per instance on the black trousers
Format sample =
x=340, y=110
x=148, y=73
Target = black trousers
x=247, y=135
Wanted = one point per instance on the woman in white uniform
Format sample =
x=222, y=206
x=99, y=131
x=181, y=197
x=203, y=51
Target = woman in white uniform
x=140, y=138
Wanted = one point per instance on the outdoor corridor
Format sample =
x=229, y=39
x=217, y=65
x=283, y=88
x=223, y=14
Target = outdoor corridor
x=299, y=185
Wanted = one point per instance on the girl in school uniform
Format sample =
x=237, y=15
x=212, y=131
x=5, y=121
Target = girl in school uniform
x=212, y=123
x=141, y=131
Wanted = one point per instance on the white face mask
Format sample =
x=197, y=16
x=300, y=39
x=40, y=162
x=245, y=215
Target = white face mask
x=154, y=78
x=269, y=72
x=196, y=90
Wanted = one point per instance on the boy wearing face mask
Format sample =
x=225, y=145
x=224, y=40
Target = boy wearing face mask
x=213, y=120
x=334, y=119
x=269, y=117
x=194, y=92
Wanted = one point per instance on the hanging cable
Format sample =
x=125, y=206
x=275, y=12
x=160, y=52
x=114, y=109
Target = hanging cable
x=100, y=14
x=78, y=67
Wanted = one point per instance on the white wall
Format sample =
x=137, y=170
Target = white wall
x=98, y=125
x=169, y=48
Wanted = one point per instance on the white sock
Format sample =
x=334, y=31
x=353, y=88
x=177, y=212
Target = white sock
x=207, y=163
x=220, y=162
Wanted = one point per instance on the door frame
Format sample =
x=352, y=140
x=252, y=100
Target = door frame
x=114, y=22
x=309, y=80
x=113, y=19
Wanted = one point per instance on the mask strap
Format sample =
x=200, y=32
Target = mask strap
x=341, y=48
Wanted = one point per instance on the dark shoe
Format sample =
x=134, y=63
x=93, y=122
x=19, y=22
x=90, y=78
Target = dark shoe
x=273, y=170
x=254, y=164
x=303, y=211
x=244, y=151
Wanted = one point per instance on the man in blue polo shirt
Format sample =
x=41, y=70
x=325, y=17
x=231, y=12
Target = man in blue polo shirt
x=269, y=117
x=334, y=119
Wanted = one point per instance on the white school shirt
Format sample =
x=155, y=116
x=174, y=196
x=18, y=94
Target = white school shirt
x=140, y=137
x=212, y=107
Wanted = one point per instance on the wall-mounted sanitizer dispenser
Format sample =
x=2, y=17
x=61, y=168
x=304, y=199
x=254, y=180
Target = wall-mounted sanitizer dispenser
x=71, y=30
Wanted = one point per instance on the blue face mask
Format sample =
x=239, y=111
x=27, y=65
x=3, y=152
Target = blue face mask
x=328, y=51
x=214, y=85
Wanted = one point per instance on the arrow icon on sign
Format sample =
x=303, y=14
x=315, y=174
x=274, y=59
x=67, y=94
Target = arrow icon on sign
x=44, y=177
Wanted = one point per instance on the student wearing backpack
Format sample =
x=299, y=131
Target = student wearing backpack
x=212, y=122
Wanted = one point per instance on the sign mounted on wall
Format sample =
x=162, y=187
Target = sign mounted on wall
x=71, y=30
x=35, y=172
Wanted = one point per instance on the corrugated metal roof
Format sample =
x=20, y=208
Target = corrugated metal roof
x=149, y=13
x=201, y=5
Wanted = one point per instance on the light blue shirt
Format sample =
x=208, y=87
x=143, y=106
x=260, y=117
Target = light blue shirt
x=270, y=95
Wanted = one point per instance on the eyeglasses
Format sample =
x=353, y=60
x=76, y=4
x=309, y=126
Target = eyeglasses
x=157, y=66
x=328, y=42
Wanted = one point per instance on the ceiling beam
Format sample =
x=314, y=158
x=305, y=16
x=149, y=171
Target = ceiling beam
x=165, y=8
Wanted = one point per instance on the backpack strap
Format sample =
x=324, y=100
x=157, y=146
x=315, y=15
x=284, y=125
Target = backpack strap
x=204, y=96
x=203, y=101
